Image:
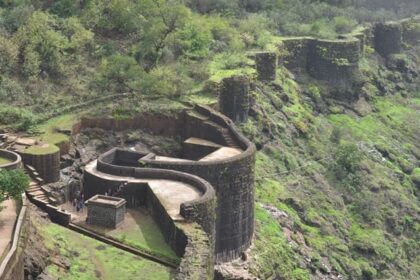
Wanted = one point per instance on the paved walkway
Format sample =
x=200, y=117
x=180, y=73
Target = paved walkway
x=8, y=218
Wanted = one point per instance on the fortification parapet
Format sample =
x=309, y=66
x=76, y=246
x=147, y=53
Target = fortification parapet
x=231, y=176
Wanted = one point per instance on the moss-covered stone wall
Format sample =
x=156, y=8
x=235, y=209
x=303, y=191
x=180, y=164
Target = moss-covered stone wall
x=335, y=61
x=266, y=64
x=234, y=97
x=388, y=38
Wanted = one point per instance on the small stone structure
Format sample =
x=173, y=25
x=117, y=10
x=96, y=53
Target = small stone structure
x=234, y=98
x=105, y=211
x=266, y=63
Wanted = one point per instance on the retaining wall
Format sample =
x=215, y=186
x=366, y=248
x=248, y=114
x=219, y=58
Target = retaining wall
x=15, y=160
x=12, y=266
x=335, y=61
x=47, y=165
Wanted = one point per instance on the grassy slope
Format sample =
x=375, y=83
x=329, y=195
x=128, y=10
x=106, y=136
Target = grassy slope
x=369, y=232
x=141, y=232
x=91, y=259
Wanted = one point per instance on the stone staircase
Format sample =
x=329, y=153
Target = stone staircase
x=227, y=136
x=36, y=191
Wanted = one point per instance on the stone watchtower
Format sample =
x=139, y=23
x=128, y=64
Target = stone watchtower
x=266, y=63
x=388, y=38
x=234, y=97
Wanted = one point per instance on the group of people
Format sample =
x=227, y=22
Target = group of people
x=78, y=201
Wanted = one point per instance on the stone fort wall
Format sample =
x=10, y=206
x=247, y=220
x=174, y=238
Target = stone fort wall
x=232, y=178
x=194, y=240
x=333, y=60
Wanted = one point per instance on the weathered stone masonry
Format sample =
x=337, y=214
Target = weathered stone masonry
x=232, y=178
x=194, y=240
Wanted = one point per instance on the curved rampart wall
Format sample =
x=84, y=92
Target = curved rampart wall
x=14, y=158
x=233, y=179
x=388, y=38
x=192, y=241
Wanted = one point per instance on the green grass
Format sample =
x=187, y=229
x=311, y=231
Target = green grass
x=91, y=259
x=41, y=150
x=4, y=161
x=50, y=136
x=145, y=235
x=271, y=248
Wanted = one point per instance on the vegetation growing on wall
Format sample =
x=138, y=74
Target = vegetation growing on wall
x=337, y=186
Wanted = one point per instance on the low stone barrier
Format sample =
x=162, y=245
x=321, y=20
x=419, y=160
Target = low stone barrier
x=196, y=250
x=14, y=158
x=12, y=266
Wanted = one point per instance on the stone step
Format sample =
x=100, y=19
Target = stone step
x=33, y=189
x=35, y=193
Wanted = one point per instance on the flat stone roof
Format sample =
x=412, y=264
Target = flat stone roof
x=222, y=153
x=170, y=193
x=202, y=142
x=163, y=158
x=106, y=201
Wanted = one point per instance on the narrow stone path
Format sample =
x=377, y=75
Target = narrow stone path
x=8, y=217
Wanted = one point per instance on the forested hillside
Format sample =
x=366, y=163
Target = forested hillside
x=337, y=180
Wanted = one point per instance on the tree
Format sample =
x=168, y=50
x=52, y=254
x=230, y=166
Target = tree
x=8, y=55
x=162, y=19
x=12, y=184
x=119, y=72
x=49, y=44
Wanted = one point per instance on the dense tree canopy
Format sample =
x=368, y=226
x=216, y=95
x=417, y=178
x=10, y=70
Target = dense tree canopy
x=12, y=184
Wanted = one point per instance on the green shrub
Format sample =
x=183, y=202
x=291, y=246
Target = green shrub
x=124, y=16
x=64, y=8
x=17, y=16
x=344, y=24
x=194, y=39
x=171, y=81
x=50, y=45
x=11, y=90
x=8, y=55
x=21, y=119
x=12, y=184
x=119, y=72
